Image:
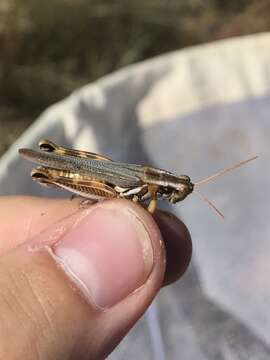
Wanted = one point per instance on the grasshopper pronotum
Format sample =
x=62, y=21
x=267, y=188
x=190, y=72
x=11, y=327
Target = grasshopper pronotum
x=96, y=177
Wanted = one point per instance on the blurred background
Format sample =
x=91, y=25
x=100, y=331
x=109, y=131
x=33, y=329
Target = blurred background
x=194, y=111
x=48, y=49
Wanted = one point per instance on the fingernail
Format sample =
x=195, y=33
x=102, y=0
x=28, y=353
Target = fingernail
x=108, y=254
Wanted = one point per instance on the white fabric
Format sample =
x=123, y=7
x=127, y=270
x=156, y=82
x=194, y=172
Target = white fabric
x=193, y=112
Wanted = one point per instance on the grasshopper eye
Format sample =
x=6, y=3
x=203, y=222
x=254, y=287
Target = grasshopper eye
x=181, y=193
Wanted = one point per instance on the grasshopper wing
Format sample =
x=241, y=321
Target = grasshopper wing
x=49, y=146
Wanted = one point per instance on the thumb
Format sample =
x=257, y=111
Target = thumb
x=76, y=289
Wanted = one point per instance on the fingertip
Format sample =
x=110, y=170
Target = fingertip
x=178, y=245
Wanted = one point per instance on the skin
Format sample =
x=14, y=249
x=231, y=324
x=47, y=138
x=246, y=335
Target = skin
x=36, y=295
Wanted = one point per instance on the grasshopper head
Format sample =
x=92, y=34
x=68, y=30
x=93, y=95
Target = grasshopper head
x=184, y=187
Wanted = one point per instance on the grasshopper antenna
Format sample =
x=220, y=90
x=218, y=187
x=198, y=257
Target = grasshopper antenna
x=214, y=176
x=222, y=172
x=204, y=198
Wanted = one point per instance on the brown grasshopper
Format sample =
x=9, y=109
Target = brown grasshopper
x=96, y=177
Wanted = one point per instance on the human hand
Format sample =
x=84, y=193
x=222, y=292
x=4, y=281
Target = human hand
x=73, y=282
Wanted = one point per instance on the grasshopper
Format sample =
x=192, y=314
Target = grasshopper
x=96, y=177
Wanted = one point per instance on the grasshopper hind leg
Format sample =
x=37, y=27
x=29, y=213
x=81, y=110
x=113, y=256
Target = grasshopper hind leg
x=78, y=185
